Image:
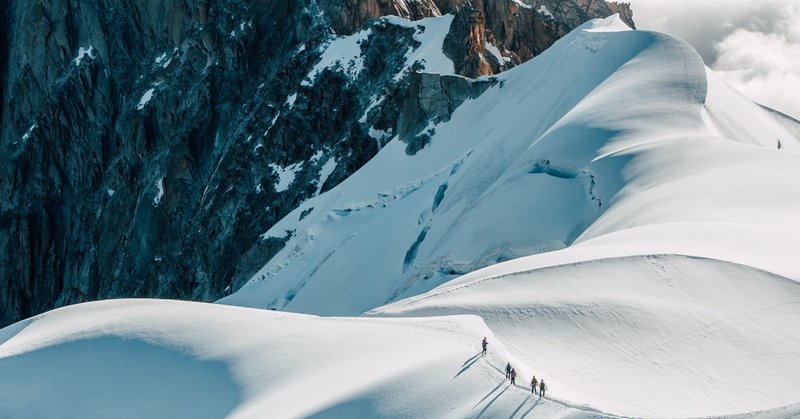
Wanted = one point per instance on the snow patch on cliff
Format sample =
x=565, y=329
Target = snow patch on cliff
x=84, y=52
x=524, y=5
x=286, y=175
x=159, y=193
x=148, y=94
x=496, y=53
x=543, y=10
x=325, y=172
x=430, y=34
x=343, y=52
x=290, y=100
x=27, y=135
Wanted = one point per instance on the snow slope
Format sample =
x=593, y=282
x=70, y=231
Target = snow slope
x=612, y=138
x=170, y=359
x=616, y=219
x=659, y=209
x=644, y=336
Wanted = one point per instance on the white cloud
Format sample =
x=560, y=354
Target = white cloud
x=766, y=67
x=755, y=45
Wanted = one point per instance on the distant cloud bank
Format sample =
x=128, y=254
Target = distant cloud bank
x=754, y=45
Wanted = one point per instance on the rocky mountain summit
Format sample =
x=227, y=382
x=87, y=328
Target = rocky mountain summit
x=145, y=147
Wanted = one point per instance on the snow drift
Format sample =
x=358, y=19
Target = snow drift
x=645, y=336
x=171, y=359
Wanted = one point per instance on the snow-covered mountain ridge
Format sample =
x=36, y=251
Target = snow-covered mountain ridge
x=145, y=145
x=643, y=214
x=549, y=157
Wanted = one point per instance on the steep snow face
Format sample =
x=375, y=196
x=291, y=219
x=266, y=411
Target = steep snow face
x=609, y=133
x=147, y=358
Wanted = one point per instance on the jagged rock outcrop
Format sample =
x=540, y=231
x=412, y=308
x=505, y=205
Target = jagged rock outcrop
x=347, y=16
x=146, y=146
x=431, y=99
x=466, y=44
x=519, y=30
x=625, y=12
x=597, y=7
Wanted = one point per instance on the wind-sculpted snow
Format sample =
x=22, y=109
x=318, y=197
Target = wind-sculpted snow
x=645, y=336
x=170, y=359
x=573, y=170
x=607, y=131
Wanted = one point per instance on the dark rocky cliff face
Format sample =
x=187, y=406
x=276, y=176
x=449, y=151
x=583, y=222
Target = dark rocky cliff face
x=519, y=30
x=146, y=146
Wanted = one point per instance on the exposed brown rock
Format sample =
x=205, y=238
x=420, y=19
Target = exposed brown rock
x=519, y=30
x=411, y=10
x=602, y=8
x=348, y=16
x=625, y=12
x=466, y=43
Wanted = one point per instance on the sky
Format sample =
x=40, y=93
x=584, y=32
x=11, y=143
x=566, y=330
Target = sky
x=754, y=45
